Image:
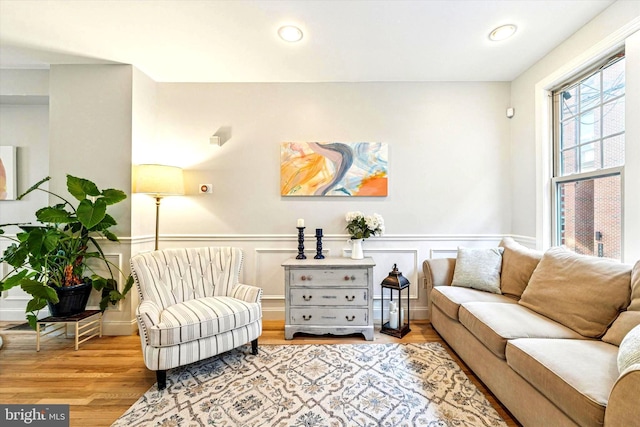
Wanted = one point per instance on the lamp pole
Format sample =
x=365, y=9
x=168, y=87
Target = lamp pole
x=157, y=219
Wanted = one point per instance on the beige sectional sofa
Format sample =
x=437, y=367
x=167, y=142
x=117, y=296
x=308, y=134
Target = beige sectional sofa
x=555, y=336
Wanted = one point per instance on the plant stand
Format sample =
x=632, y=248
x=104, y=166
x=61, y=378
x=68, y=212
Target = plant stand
x=88, y=324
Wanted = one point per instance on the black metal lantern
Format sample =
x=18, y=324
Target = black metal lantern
x=398, y=285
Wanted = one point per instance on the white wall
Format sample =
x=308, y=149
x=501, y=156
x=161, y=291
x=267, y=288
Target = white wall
x=24, y=123
x=27, y=128
x=91, y=130
x=448, y=151
x=448, y=173
x=144, y=112
x=24, y=86
x=90, y=137
x=529, y=216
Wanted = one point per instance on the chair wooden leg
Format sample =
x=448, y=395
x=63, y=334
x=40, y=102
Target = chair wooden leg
x=254, y=347
x=161, y=377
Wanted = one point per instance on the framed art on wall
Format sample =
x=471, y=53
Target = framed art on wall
x=7, y=173
x=333, y=169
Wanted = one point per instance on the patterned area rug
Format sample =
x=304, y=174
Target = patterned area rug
x=318, y=385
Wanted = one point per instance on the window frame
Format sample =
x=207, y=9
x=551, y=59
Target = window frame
x=557, y=178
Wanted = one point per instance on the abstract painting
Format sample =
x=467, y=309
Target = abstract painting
x=333, y=169
x=7, y=173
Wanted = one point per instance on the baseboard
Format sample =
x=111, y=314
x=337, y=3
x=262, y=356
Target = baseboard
x=119, y=328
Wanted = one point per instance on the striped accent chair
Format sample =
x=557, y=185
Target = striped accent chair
x=192, y=306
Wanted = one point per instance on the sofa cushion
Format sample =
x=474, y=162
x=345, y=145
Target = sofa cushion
x=518, y=263
x=627, y=320
x=449, y=298
x=582, y=292
x=629, y=352
x=201, y=318
x=576, y=375
x=478, y=268
x=493, y=324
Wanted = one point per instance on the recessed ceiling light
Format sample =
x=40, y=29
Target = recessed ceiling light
x=503, y=32
x=290, y=33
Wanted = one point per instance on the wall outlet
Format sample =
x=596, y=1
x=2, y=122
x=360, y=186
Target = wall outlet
x=205, y=189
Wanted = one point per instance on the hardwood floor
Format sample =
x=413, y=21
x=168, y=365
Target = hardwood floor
x=107, y=375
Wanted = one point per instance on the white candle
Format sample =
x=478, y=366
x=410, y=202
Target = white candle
x=393, y=319
x=300, y=222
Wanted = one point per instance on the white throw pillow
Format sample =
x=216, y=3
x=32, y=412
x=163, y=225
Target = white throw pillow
x=478, y=269
x=629, y=351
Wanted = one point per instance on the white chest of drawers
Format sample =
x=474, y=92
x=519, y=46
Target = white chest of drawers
x=329, y=296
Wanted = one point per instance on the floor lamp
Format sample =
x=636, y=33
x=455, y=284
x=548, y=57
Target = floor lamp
x=158, y=181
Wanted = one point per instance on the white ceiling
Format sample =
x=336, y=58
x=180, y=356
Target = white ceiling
x=236, y=41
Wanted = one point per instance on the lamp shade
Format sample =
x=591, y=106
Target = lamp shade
x=158, y=180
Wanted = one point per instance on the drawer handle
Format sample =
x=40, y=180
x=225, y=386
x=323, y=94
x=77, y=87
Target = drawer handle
x=350, y=299
x=307, y=298
x=352, y=318
x=303, y=278
x=305, y=317
x=353, y=277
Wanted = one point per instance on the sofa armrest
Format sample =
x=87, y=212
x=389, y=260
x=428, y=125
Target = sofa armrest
x=246, y=293
x=438, y=271
x=148, y=315
x=623, y=408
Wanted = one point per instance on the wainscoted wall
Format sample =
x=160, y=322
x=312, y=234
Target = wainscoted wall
x=264, y=255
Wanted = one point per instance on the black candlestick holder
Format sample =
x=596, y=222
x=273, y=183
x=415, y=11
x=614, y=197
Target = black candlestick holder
x=301, y=254
x=319, y=244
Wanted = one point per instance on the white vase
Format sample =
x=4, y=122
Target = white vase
x=356, y=249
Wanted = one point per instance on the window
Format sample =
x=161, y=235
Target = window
x=589, y=131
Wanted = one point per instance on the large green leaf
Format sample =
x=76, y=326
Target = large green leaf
x=41, y=241
x=36, y=304
x=33, y=321
x=110, y=236
x=112, y=196
x=98, y=282
x=16, y=255
x=40, y=290
x=106, y=222
x=127, y=286
x=51, y=239
x=35, y=241
x=54, y=215
x=80, y=188
x=13, y=281
x=90, y=213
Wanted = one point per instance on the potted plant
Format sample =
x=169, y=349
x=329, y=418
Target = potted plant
x=55, y=261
